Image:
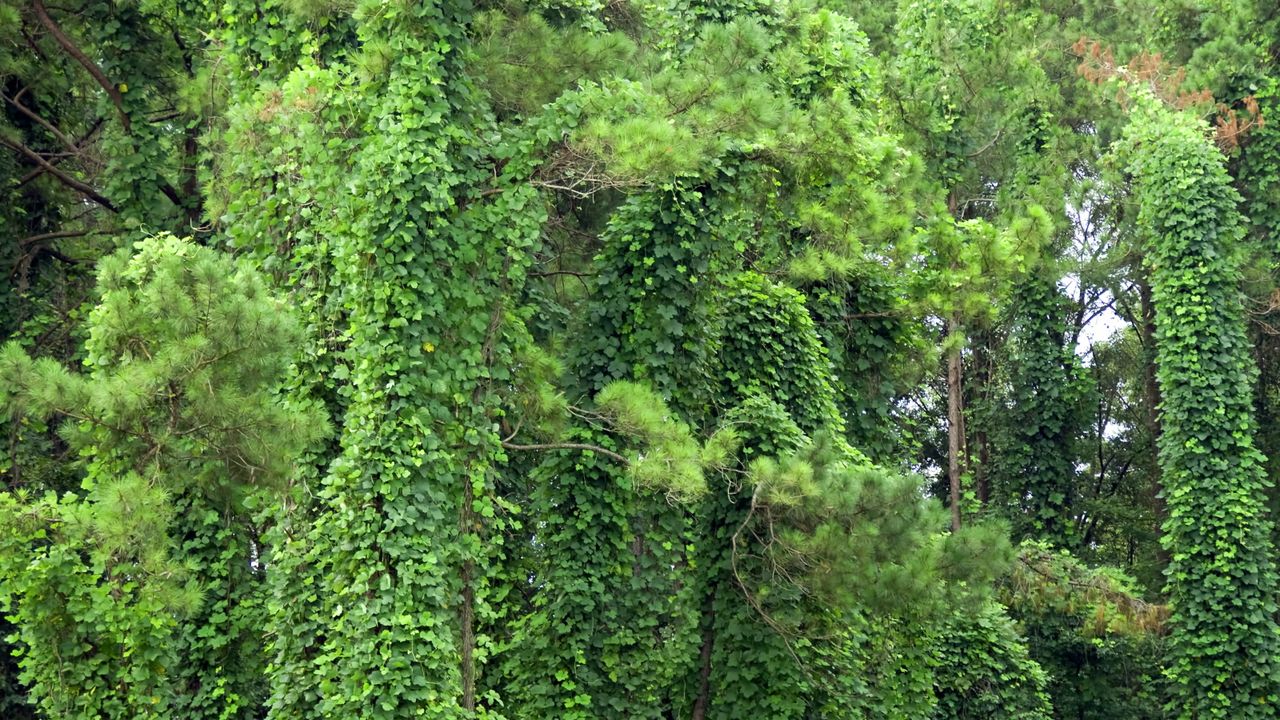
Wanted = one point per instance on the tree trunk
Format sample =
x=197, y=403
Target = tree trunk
x=1151, y=390
x=955, y=430
x=704, y=660
x=466, y=611
x=982, y=379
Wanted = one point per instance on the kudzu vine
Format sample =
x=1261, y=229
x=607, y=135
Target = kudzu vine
x=1037, y=425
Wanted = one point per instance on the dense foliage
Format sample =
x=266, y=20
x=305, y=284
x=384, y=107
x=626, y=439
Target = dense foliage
x=683, y=359
x=1222, y=585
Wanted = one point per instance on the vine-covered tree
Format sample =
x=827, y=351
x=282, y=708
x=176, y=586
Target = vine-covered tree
x=1221, y=579
x=688, y=359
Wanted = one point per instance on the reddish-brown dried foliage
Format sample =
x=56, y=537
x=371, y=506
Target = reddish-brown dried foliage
x=1098, y=65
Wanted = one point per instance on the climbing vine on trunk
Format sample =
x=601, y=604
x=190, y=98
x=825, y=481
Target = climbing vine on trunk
x=1221, y=577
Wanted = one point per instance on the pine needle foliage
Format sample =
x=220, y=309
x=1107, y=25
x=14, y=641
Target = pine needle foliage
x=138, y=597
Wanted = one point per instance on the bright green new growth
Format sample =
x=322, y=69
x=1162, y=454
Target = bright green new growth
x=1221, y=578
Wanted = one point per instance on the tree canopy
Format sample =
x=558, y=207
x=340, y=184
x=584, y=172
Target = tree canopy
x=684, y=359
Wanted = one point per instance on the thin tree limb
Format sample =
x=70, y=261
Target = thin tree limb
x=62, y=137
x=66, y=179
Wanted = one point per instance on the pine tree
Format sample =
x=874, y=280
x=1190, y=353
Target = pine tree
x=139, y=596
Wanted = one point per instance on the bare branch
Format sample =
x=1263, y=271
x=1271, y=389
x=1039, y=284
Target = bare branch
x=735, y=540
x=53, y=236
x=79, y=146
x=579, y=174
